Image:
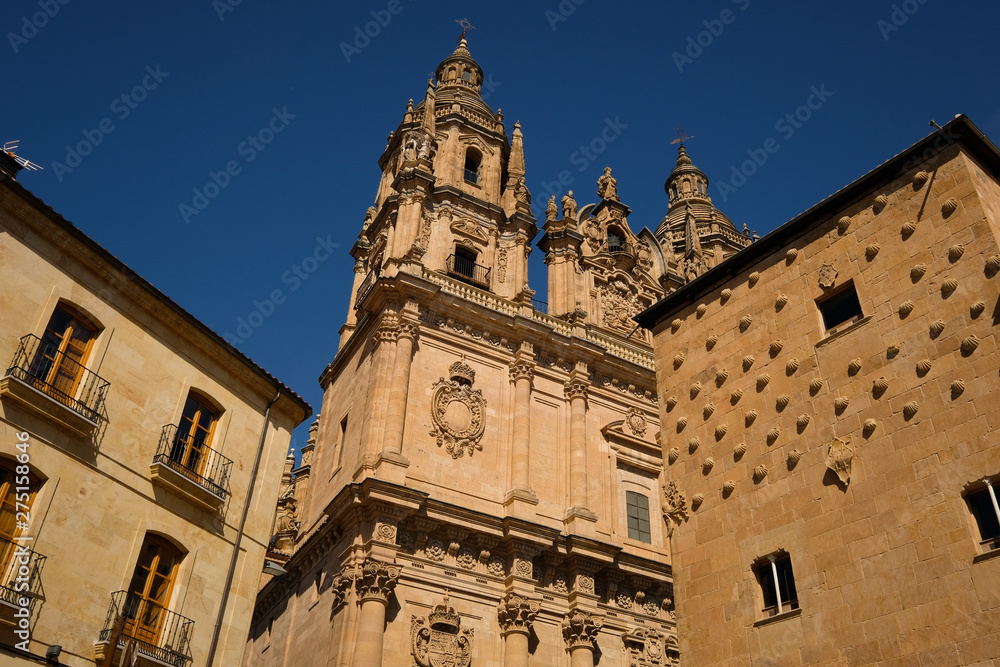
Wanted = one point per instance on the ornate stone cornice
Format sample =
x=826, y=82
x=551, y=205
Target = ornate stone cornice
x=580, y=629
x=376, y=580
x=516, y=614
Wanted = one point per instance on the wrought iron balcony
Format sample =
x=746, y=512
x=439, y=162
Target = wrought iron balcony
x=191, y=458
x=46, y=369
x=471, y=177
x=540, y=306
x=366, y=286
x=467, y=270
x=20, y=575
x=159, y=634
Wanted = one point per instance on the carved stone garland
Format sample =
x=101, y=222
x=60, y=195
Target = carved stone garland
x=458, y=412
x=439, y=640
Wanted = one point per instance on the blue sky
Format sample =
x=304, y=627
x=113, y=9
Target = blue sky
x=131, y=108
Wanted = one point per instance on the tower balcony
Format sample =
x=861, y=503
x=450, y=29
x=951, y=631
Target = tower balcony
x=466, y=270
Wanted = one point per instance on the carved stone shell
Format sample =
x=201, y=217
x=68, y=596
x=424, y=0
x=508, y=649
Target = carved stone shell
x=776, y=346
x=879, y=386
x=749, y=417
x=671, y=402
x=920, y=178
x=720, y=431
x=949, y=286
x=729, y=486
x=970, y=344
x=708, y=410
x=869, y=425
x=707, y=465
x=721, y=376
x=910, y=409
x=759, y=473
x=701, y=309
x=794, y=457
x=802, y=421
x=840, y=403
x=843, y=224
x=905, y=308
x=918, y=271
x=815, y=386
x=880, y=203
x=711, y=341
x=791, y=255
x=893, y=349
x=673, y=454
x=696, y=500
x=678, y=360
x=937, y=326
x=854, y=366
x=695, y=389
x=772, y=435
x=753, y=278
x=725, y=294
x=993, y=264
x=745, y=322
x=780, y=302
x=923, y=366
x=747, y=362
x=949, y=206
x=740, y=449
x=762, y=380
x=955, y=252
x=791, y=366
x=782, y=401
x=977, y=308
x=735, y=397
x=681, y=423
x=693, y=445
x=675, y=325
x=908, y=229
x=957, y=387
x=872, y=250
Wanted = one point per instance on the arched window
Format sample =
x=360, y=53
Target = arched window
x=58, y=363
x=194, y=433
x=150, y=587
x=17, y=492
x=473, y=159
x=467, y=76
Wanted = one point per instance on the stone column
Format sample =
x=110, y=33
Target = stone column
x=375, y=582
x=576, y=392
x=580, y=632
x=522, y=371
x=383, y=347
x=407, y=332
x=516, y=614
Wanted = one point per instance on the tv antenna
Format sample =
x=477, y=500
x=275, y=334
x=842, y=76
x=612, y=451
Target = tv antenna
x=11, y=146
x=682, y=136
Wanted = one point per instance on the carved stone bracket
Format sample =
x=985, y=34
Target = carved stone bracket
x=516, y=614
x=376, y=580
x=580, y=629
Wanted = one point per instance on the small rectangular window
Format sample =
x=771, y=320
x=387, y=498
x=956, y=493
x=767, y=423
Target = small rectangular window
x=342, y=436
x=986, y=511
x=840, y=308
x=637, y=510
x=784, y=598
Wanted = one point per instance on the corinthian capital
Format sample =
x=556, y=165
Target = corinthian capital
x=516, y=614
x=376, y=580
x=576, y=389
x=580, y=629
x=407, y=329
x=522, y=369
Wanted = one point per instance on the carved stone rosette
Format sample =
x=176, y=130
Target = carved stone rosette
x=438, y=639
x=674, y=507
x=376, y=580
x=458, y=413
x=580, y=629
x=516, y=614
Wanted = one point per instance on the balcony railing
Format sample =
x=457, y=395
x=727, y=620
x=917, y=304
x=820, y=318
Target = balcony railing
x=366, y=286
x=467, y=270
x=471, y=177
x=21, y=573
x=191, y=458
x=159, y=633
x=51, y=372
x=540, y=306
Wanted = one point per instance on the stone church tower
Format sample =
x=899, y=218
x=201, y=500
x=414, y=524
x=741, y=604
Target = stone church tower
x=483, y=486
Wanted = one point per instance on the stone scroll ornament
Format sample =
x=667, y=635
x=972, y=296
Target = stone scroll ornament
x=457, y=411
x=839, y=458
x=439, y=640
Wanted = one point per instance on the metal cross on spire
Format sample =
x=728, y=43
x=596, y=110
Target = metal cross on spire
x=681, y=136
x=466, y=26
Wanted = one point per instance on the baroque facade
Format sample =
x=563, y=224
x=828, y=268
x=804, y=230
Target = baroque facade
x=483, y=484
x=829, y=411
x=131, y=440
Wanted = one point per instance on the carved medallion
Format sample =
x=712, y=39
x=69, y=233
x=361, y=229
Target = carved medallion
x=827, y=276
x=645, y=647
x=438, y=640
x=838, y=459
x=457, y=411
x=636, y=421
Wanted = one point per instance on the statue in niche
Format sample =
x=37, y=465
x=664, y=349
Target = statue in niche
x=607, y=186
